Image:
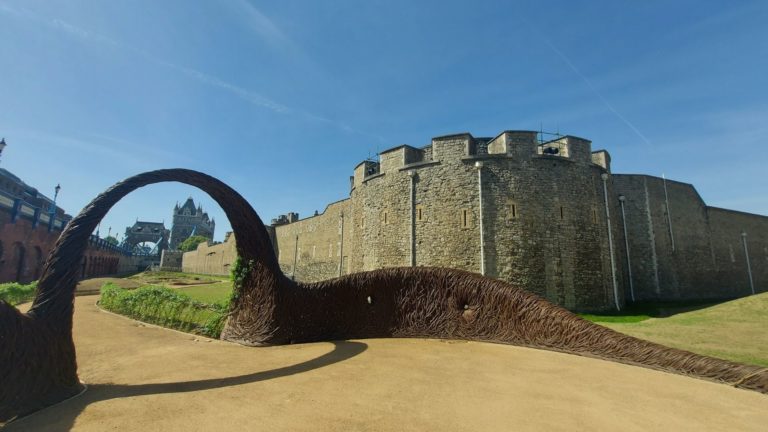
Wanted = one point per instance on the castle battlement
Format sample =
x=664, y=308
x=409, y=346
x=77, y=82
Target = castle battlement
x=463, y=147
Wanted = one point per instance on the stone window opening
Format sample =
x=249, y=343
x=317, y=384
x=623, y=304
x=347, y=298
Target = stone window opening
x=594, y=215
x=513, y=210
x=466, y=218
x=419, y=213
x=562, y=213
x=385, y=218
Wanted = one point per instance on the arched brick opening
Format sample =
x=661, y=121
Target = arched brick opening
x=19, y=262
x=38, y=262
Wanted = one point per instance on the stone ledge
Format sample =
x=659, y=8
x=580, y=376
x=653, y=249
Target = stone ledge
x=417, y=165
x=381, y=174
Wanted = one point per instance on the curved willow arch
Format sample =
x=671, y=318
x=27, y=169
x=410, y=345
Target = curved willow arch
x=269, y=308
x=37, y=353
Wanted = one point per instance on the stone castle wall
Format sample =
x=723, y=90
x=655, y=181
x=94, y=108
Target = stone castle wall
x=544, y=223
x=211, y=259
x=315, y=244
x=545, y=226
x=729, y=259
x=171, y=260
x=707, y=260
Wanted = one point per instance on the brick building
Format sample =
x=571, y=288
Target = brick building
x=30, y=224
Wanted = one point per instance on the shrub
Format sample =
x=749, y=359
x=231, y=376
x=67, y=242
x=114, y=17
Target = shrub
x=166, y=307
x=191, y=243
x=16, y=293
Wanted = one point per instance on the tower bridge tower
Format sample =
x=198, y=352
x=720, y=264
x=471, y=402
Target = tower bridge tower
x=189, y=220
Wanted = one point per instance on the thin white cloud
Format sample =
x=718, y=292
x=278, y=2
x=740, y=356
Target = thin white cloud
x=157, y=153
x=259, y=21
x=245, y=94
x=135, y=158
x=589, y=84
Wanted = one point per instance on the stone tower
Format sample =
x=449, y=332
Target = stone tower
x=189, y=220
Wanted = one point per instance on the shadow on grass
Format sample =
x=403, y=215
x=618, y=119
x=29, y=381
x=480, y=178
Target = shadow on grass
x=641, y=311
x=63, y=415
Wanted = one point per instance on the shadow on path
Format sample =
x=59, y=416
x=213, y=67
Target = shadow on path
x=62, y=416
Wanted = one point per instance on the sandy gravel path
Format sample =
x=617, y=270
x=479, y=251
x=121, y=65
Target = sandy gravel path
x=145, y=378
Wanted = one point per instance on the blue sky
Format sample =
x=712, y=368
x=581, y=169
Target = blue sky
x=282, y=99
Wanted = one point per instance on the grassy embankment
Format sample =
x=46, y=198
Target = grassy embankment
x=187, y=302
x=735, y=330
x=204, y=288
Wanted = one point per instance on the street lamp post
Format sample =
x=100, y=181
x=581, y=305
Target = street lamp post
x=2, y=146
x=52, y=209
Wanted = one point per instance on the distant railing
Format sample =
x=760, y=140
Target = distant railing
x=20, y=208
x=555, y=146
x=544, y=137
x=101, y=243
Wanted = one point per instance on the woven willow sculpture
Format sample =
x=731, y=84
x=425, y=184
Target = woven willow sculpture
x=37, y=354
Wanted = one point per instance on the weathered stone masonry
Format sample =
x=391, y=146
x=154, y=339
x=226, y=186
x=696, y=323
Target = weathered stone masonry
x=545, y=226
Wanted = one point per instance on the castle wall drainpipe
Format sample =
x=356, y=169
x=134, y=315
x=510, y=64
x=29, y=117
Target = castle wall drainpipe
x=749, y=266
x=626, y=248
x=295, y=255
x=479, y=166
x=412, y=175
x=604, y=176
x=341, y=244
x=669, y=213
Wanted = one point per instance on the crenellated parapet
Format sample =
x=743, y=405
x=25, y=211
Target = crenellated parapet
x=603, y=159
x=453, y=149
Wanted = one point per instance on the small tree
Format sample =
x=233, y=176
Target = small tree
x=111, y=240
x=191, y=243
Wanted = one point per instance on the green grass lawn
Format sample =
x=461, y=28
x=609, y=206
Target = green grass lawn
x=735, y=330
x=164, y=306
x=213, y=293
x=175, y=278
x=204, y=288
